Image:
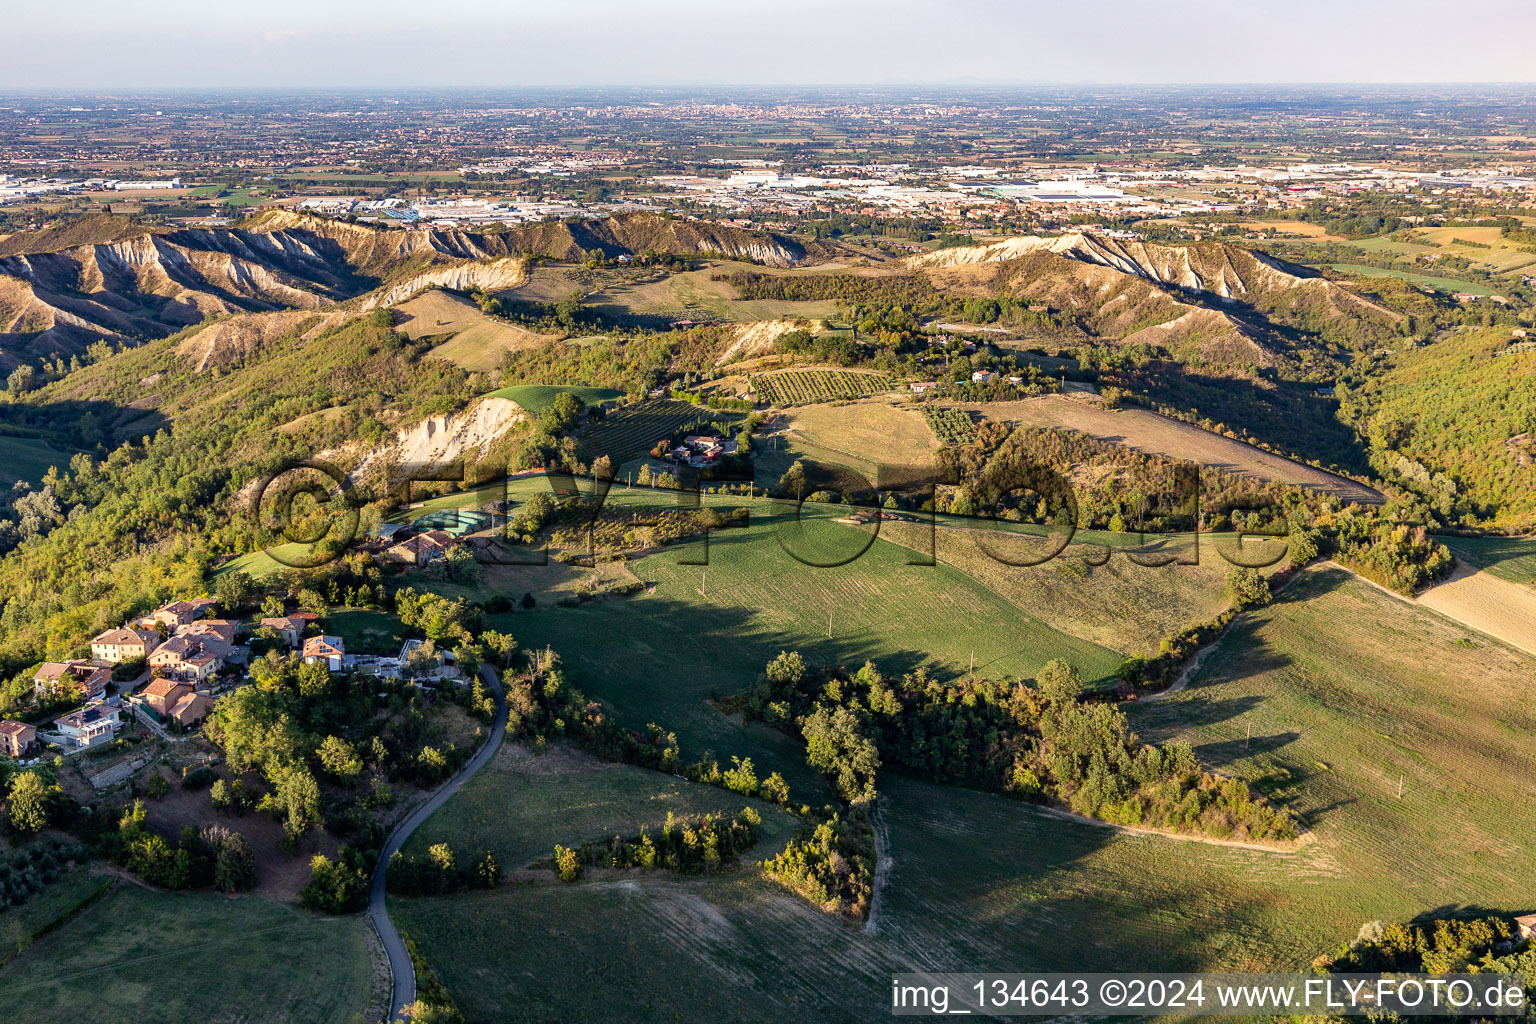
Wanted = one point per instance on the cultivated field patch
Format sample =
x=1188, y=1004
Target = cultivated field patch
x=804, y=387
x=1402, y=745
x=1147, y=431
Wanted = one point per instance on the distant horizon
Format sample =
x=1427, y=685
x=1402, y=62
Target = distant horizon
x=478, y=44
x=917, y=87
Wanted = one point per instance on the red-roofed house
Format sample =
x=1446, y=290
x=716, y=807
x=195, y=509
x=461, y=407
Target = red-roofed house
x=289, y=627
x=163, y=694
x=221, y=629
x=54, y=678
x=192, y=658
x=191, y=709
x=328, y=649
x=421, y=549
x=179, y=613
x=17, y=739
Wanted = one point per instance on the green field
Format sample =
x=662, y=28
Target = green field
x=977, y=882
x=659, y=656
x=1508, y=558
x=522, y=804
x=1442, y=284
x=535, y=398
x=1345, y=691
x=365, y=632
x=1338, y=695
x=17, y=924
x=144, y=955
x=27, y=458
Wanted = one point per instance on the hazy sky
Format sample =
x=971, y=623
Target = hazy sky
x=383, y=43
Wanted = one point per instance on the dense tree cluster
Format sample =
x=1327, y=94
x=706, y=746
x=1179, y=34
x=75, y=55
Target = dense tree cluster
x=338, y=886
x=441, y=871
x=1445, y=945
x=832, y=865
x=1039, y=742
x=1059, y=477
x=25, y=871
x=211, y=857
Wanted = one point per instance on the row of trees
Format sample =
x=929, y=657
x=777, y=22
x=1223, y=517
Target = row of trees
x=700, y=845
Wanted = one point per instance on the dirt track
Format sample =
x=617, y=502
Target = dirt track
x=1150, y=432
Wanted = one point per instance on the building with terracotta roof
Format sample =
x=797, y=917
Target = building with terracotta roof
x=116, y=646
x=327, y=649
x=289, y=627
x=221, y=629
x=191, y=658
x=57, y=678
x=179, y=613
x=17, y=739
x=191, y=709
x=421, y=549
x=163, y=694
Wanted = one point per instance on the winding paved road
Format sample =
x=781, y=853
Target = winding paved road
x=402, y=975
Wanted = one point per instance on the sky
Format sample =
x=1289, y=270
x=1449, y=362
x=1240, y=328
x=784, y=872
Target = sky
x=92, y=44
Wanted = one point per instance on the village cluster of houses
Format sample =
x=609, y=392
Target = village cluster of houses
x=922, y=387
x=186, y=655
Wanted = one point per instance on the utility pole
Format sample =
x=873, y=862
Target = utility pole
x=1249, y=741
x=1399, y=787
x=829, y=623
x=703, y=573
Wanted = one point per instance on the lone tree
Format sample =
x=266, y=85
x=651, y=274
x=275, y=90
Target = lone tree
x=1248, y=588
x=27, y=810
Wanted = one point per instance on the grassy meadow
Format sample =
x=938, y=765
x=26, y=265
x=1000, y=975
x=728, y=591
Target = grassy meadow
x=523, y=803
x=704, y=631
x=27, y=458
x=171, y=958
x=1403, y=746
x=471, y=339
x=1345, y=690
x=976, y=882
x=1508, y=558
x=1440, y=284
x=535, y=398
